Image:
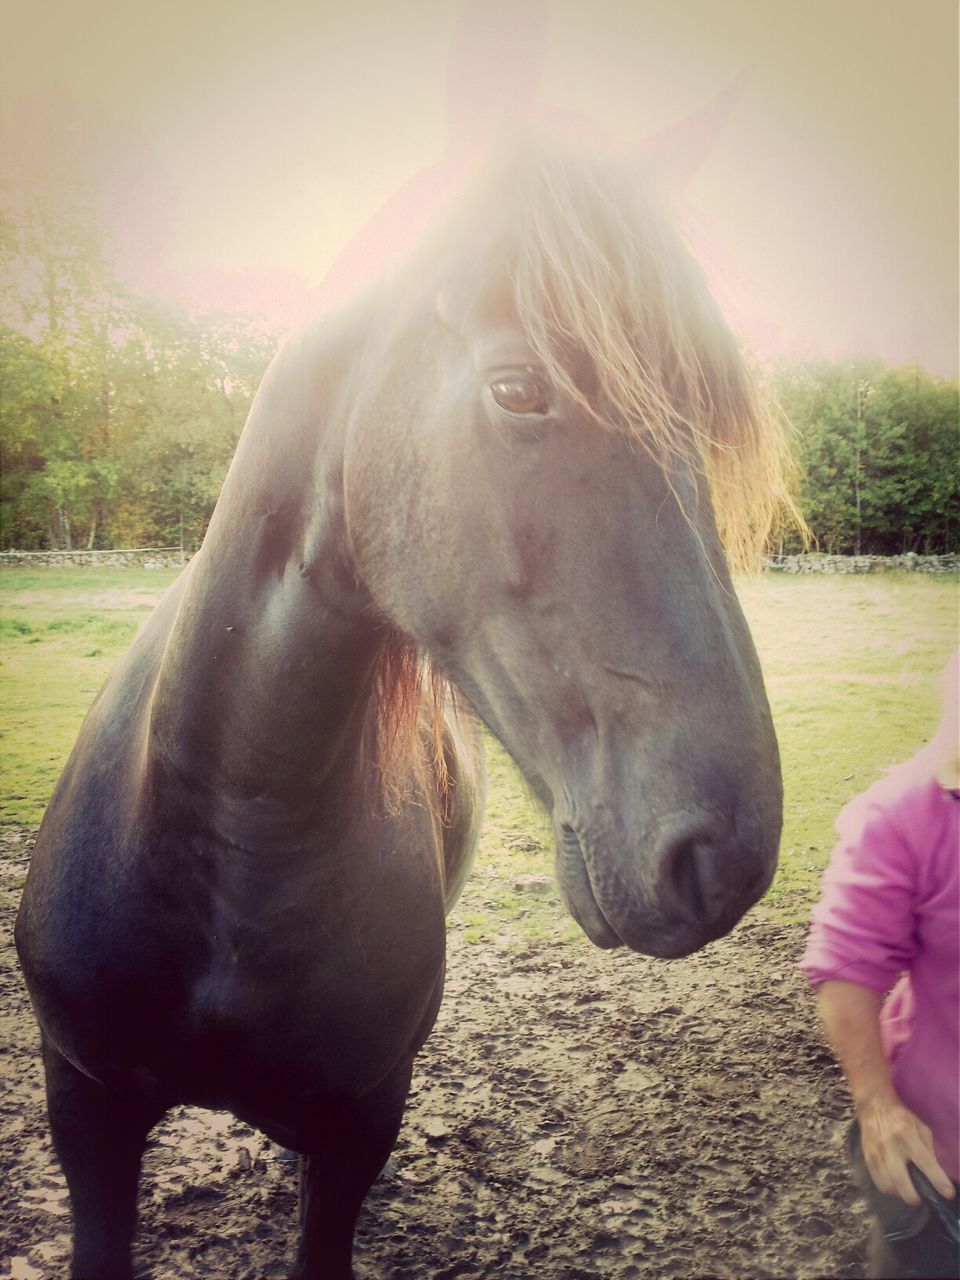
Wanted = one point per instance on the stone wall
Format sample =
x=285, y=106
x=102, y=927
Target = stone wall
x=816, y=563
x=144, y=557
x=170, y=557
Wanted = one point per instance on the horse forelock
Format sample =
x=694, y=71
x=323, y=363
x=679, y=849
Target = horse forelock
x=599, y=269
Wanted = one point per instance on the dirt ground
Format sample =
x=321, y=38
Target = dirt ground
x=575, y=1115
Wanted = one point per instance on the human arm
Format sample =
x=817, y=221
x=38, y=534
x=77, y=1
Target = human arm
x=890, y=1133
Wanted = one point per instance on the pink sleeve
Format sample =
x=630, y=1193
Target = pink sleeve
x=862, y=928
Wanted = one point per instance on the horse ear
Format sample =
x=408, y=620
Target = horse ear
x=494, y=67
x=672, y=157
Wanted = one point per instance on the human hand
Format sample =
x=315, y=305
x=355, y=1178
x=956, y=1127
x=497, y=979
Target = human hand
x=891, y=1136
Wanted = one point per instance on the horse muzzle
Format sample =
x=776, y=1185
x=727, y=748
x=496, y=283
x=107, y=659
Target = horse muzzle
x=692, y=883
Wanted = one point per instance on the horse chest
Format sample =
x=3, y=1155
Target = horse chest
x=308, y=994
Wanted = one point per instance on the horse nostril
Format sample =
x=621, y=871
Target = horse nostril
x=689, y=877
x=707, y=878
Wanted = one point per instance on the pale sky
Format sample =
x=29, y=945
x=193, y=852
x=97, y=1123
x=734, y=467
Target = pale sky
x=235, y=148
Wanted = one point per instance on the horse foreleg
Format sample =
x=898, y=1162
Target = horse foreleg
x=99, y=1139
x=353, y=1141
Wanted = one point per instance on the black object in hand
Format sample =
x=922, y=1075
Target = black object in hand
x=946, y=1210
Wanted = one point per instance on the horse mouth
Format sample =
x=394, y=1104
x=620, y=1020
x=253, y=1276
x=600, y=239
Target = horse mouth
x=574, y=878
x=649, y=933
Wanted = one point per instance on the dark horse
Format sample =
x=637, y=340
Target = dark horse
x=509, y=469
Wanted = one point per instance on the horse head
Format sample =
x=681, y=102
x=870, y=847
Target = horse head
x=547, y=452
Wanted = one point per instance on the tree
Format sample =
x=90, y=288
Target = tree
x=119, y=416
x=877, y=449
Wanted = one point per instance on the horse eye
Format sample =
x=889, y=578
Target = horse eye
x=520, y=393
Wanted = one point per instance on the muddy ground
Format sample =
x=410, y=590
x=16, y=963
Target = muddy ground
x=575, y=1114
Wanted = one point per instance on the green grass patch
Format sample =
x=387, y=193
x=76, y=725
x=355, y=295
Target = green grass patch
x=850, y=664
x=60, y=633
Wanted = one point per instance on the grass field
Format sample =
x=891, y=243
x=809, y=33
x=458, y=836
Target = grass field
x=850, y=664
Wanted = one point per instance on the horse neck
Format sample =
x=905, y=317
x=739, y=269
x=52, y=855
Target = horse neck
x=264, y=688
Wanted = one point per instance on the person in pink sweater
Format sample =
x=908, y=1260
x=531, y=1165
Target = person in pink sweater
x=884, y=956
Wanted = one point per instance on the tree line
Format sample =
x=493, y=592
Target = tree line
x=119, y=416
x=878, y=456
